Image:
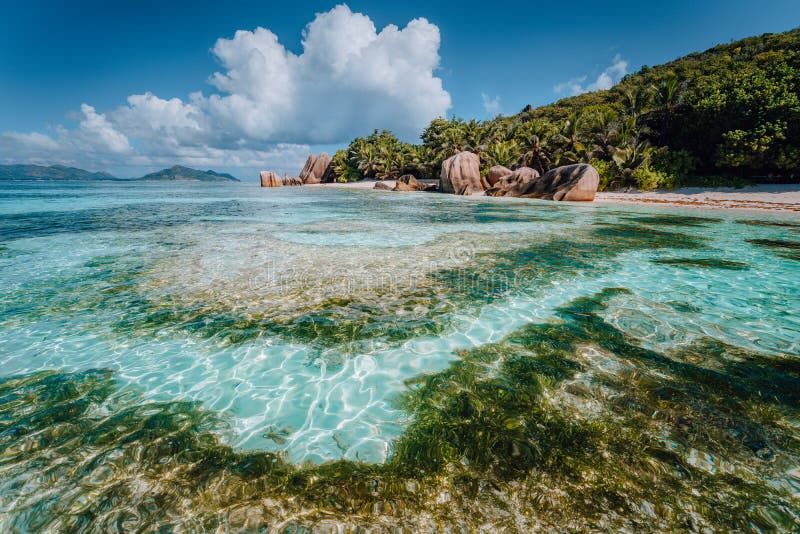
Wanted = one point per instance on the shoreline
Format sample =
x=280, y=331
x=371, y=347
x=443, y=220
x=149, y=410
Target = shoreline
x=767, y=197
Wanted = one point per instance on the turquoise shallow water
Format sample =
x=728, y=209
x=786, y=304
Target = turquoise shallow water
x=78, y=261
x=300, y=315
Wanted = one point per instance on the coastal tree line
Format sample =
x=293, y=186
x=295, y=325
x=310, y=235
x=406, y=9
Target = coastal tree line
x=719, y=117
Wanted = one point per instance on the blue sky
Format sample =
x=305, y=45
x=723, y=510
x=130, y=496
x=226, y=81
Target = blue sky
x=67, y=70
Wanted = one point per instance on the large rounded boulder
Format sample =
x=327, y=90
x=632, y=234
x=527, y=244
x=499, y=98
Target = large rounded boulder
x=315, y=168
x=495, y=173
x=461, y=175
x=569, y=183
x=270, y=179
x=514, y=184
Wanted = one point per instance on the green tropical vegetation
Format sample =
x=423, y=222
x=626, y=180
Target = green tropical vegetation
x=725, y=116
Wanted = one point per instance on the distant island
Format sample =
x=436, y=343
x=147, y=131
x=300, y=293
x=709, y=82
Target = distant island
x=63, y=173
x=185, y=174
x=52, y=172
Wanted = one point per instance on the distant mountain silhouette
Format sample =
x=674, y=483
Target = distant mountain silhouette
x=53, y=172
x=61, y=172
x=180, y=173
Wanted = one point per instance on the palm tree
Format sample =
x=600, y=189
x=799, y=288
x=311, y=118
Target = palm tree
x=637, y=101
x=668, y=94
x=451, y=143
x=570, y=139
x=420, y=161
x=366, y=159
x=432, y=135
x=631, y=157
x=475, y=138
x=605, y=134
x=392, y=162
x=503, y=153
x=501, y=130
x=533, y=137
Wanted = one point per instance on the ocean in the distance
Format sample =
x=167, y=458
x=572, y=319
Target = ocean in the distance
x=423, y=338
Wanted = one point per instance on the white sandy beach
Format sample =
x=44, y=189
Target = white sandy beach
x=772, y=197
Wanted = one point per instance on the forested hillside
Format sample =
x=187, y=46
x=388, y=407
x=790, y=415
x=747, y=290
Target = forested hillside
x=725, y=116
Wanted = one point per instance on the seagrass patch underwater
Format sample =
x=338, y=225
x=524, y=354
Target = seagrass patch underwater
x=227, y=359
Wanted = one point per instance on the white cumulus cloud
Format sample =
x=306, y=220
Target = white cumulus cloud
x=96, y=139
x=605, y=80
x=349, y=79
x=491, y=105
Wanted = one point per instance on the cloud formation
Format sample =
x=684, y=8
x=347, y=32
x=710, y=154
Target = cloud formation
x=96, y=138
x=267, y=102
x=491, y=105
x=606, y=80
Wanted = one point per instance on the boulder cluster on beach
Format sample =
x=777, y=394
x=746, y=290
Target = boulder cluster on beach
x=461, y=175
x=576, y=182
x=317, y=170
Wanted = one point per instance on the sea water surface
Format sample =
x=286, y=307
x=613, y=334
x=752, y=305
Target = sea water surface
x=299, y=316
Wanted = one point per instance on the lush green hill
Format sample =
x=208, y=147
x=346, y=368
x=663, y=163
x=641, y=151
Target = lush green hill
x=179, y=173
x=723, y=116
x=53, y=172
